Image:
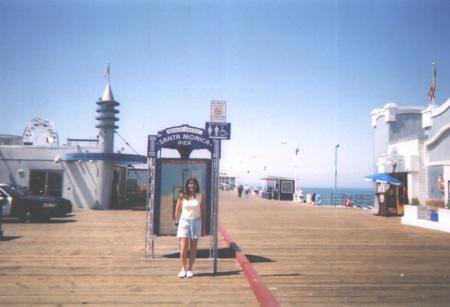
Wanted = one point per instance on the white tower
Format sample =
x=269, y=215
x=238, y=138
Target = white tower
x=106, y=126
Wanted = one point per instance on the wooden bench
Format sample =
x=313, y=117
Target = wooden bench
x=435, y=203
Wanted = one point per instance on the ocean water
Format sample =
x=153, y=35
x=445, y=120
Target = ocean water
x=361, y=197
x=347, y=191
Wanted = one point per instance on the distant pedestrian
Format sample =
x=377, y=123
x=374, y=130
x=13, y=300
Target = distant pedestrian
x=313, y=198
x=246, y=190
x=240, y=188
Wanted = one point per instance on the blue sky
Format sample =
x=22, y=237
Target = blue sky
x=305, y=72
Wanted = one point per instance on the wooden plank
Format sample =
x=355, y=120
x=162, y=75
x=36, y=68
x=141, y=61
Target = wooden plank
x=97, y=257
x=310, y=255
x=305, y=255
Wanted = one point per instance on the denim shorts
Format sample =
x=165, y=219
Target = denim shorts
x=190, y=228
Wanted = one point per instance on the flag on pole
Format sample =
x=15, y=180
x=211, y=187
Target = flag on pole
x=432, y=91
x=106, y=72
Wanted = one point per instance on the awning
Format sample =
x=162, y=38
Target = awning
x=383, y=178
x=114, y=157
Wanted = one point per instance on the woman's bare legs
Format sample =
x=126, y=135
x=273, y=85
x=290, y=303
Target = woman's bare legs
x=183, y=253
x=192, y=253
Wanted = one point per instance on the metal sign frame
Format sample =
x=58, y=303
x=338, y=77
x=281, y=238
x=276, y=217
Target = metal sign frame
x=185, y=139
x=149, y=248
x=149, y=235
x=215, y=202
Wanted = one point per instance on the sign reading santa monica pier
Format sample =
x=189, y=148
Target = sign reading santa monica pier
x=183, y=136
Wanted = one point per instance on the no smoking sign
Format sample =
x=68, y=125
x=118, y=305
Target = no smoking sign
x=218, y=111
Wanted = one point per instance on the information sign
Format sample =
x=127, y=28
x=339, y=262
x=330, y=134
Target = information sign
x=218, y=130
x=218, y=111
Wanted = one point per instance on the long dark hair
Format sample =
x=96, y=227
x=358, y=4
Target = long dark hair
x=195, y=181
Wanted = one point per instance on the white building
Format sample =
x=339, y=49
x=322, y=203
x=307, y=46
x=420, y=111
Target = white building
x=227, y=181
x=413, y=145
x=87, y=172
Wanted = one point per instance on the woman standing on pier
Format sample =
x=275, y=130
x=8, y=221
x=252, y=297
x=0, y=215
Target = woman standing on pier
x=191, y=216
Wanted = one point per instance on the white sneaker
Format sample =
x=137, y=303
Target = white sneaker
x=182, y=274
x=189, y=274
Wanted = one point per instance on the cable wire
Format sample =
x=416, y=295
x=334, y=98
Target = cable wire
x=128, y=144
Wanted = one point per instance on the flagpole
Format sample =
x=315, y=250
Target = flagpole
x=106, y=72
x=434, y=82
x=432, y=91
x=109, y=71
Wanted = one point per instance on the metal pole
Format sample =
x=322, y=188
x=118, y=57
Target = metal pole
x=147, y=214
x=335, y=173
x=295, y=172
x=149, y=237
x=216, y=201
x=152, y=207
x=295, y=163
x=213, y=212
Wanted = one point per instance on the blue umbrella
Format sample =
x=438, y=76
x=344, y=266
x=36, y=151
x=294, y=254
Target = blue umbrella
x=383, y=178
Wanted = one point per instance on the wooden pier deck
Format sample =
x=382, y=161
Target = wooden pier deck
x=307, y=256
x=324, y=256
x=97, y=258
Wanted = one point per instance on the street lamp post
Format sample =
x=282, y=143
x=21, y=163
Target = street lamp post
x=297, y=150
x=251, y=169
x=335, y=173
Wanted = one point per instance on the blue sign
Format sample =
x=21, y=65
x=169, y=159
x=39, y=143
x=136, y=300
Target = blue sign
x=99, y=156
x=218, y=130
x=183, y=137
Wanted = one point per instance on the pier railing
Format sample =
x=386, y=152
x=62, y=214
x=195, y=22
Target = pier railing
x=348, y=200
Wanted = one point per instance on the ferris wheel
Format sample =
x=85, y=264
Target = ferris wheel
x=40, y=132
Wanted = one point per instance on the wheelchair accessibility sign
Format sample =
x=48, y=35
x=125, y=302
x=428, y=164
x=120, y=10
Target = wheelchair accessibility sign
x=218, y=130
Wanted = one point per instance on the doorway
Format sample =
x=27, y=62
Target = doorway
x=403, y=189
x=44, y=182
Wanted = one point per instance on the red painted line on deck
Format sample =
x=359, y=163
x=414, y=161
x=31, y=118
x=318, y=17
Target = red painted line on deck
x=262, y=293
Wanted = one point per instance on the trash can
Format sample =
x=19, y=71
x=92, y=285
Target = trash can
x=383, y=209
x=318, y=199
x=434, y=216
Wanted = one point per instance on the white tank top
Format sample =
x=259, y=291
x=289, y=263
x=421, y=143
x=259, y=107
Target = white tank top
x=191, y=207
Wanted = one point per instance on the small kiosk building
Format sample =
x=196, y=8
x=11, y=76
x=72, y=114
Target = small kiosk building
x=279, y=188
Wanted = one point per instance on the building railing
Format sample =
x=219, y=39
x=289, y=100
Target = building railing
x=82, y=142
